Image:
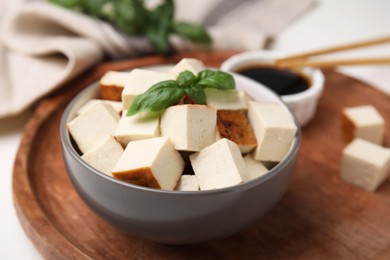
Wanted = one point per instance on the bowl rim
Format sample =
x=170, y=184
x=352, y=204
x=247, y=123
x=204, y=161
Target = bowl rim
x=67, y=145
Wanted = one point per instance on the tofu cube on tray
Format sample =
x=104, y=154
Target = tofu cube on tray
x=139, y=81
x=190, y=127
x=365, y=164
x=112, y=84
x=151, y=163
x=274, y=129
x=105, y=156
x=364, y=122
x=218, y=165
x=91, y=128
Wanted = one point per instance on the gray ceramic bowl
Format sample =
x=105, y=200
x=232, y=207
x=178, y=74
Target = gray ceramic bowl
x=174, y=217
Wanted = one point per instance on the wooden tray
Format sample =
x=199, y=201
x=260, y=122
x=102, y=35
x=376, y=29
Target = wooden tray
x=320, y=217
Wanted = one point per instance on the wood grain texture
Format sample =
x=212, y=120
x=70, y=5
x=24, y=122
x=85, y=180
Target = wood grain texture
x=320, y=217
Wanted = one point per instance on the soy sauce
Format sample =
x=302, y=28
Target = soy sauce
x=282, y=81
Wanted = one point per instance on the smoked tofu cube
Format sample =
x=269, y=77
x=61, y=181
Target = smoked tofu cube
x=254, y=168
x=234, y=125
x=105, y=156
x=190, y=127
x=91, y=128
x=365, y=164
x=225, y=99
x=187, y=183
x=151, y=163
x=218, y=165
x=139, y=126
x=116, y=105
x=139, y=81
x=193, y=65
x=112, y=84
x=274, y=129
x=364, y=122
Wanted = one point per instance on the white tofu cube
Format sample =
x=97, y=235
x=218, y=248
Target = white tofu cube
x=190, y=127
x=226, y=99
x=105, y=156
x=245, y=96
x=218, y=165
x=274, y=129
x=115, y=78
x=112, y=84
x=234, y=125
x=151, y=163
x=140, y=81
x=193, y=65
x=187, y=183
x=269, y=165
x=364, y=122
x=116, y=105
x=254, y=168
x=91, y=128
x=365, y=164
x=139, y=126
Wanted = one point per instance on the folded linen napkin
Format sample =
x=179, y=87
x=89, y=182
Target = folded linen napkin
x=43, y=46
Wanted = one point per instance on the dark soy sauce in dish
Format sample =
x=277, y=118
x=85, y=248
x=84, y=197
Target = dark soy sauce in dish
x=282, y=81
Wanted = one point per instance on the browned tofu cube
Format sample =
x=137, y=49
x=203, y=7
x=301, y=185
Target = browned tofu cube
x=234, y=125
x=112, y=84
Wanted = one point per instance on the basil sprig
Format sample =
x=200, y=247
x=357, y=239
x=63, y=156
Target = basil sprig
x=170, y=92
x=132, y=17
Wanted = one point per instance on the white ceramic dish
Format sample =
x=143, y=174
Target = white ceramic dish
x=303, y=104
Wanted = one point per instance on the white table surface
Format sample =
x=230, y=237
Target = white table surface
x=330, y=22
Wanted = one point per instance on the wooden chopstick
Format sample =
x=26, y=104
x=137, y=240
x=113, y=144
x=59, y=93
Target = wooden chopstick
x=331, y=63
x=303, y=59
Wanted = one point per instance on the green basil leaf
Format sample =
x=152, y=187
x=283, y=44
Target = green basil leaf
x=95, y=7
x=197, y=94
x=193, y=32
x=159, y=40
x=159, y=27
x=206, y=74
x=158, y=97
x=130, y=16
x=186, y=78
x=164, y=12
x=133, y=18
x=215, y=79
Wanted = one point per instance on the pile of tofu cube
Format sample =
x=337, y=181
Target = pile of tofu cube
x=186, y=147
x=365, y=162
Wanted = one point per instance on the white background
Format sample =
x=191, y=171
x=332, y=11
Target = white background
x=330, y=22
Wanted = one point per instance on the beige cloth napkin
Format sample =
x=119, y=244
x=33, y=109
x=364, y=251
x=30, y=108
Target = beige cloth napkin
x=43, y=46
